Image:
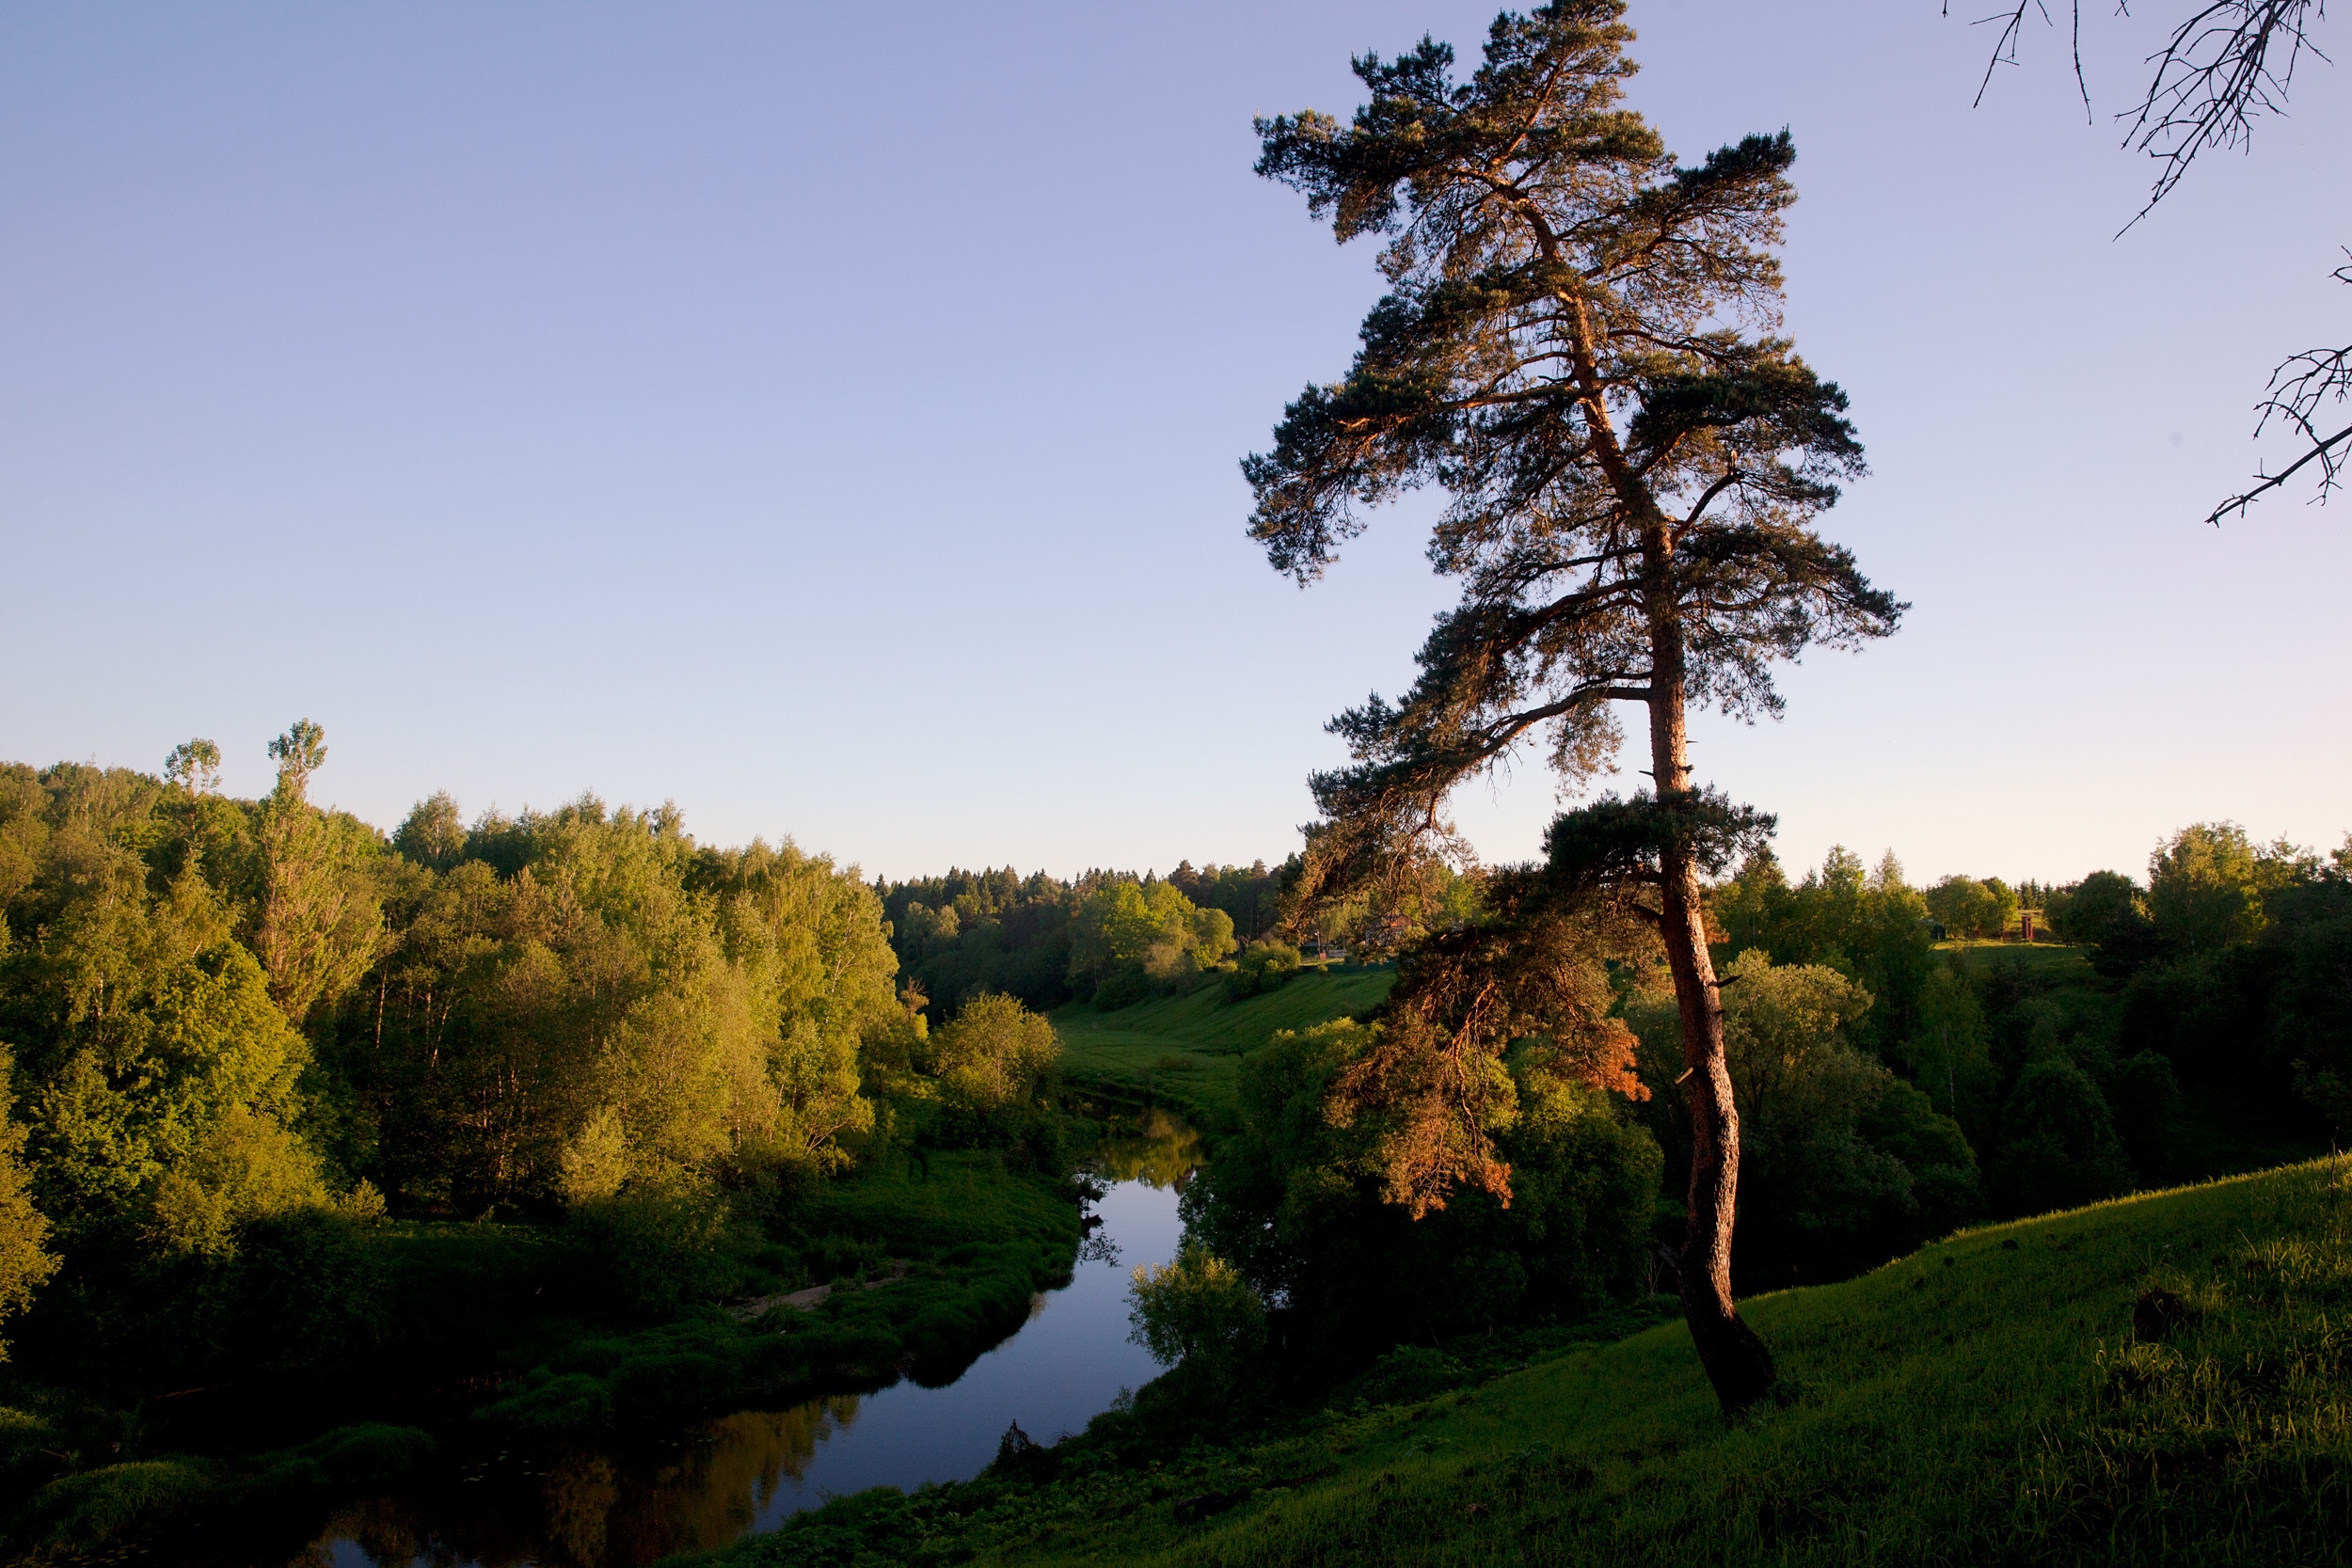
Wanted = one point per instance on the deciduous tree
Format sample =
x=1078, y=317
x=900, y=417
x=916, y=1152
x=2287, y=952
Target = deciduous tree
x=25, y=1262
x=321, y=922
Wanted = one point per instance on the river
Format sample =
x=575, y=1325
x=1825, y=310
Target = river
x=746, y=1473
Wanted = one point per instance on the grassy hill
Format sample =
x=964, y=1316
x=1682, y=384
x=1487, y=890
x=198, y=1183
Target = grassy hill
x=2015, y=1394
x=1186, y=1050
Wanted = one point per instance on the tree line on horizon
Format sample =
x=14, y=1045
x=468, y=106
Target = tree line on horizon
x=1114, y=938
x=1050, y=941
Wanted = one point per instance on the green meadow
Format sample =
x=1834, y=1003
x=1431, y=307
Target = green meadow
x=1187, y=1051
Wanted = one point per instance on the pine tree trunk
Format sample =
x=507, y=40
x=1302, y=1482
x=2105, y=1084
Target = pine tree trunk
x=1736, y=1360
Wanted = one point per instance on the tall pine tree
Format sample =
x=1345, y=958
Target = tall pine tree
x=1579, y=348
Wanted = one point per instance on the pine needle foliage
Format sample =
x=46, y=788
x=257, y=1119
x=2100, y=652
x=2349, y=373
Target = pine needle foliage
x=1576, y=348
x=1580, y=346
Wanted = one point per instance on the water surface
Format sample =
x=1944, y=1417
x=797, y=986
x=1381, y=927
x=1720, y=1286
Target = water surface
x=746, y=1473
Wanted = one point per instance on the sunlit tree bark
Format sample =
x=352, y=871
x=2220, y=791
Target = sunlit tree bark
x=1579, y=348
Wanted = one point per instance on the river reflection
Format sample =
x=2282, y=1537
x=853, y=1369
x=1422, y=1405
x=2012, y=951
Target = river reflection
x=591, y=1508
x=748, y=1472
x=1161, y=1152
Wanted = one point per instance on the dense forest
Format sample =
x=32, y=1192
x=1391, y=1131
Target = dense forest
x=296, y=1104
x=291, y=1097
x=311, y=1125
x=1894, y=1085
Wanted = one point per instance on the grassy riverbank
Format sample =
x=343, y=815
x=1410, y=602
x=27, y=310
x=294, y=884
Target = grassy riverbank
x=930, y=1261
x=1187, y=1051
x=2016, y=1393
x=480, y=1342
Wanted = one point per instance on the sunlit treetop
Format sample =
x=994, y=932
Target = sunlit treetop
x=1579, y=347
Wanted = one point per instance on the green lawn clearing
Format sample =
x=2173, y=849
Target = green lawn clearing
x=1187, y=1051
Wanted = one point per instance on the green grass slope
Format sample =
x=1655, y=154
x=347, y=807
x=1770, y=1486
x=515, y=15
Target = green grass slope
x=1188, y=1050
x=2043, y=961
x=1987, y=1401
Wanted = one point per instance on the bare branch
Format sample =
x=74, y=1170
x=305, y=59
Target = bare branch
x=2329, y=452
x=2005, y=50
x=2228, y=62
x=2301, y=385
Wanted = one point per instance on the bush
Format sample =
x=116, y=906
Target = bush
x=1124, y=987
x=1264, y=966
x=1405, y=1375
x=309, y=1293
x=993, y=1052
x=573, y=1402
x=1295, y=1203
x=647, y=1256
x=96, y=1506
x=370, y=1455
x=1198, y=1310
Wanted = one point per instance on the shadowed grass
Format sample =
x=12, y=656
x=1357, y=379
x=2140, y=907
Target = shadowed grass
x=982, y=1240
x=1987, y=1401
x=2046, y=961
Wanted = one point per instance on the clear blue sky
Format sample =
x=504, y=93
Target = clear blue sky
x=827, y=417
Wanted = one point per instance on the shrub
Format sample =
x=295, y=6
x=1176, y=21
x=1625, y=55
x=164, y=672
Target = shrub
x=1124, y=987
x=1198, y=1310
x=369, y=1455
x=1294, y=1202
x=98, y=1506
x=1264, y=966
x=646, y=1255
x=1405, y=1375
x=997, y=1065
x=571, y=1403
x=309, y=1293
